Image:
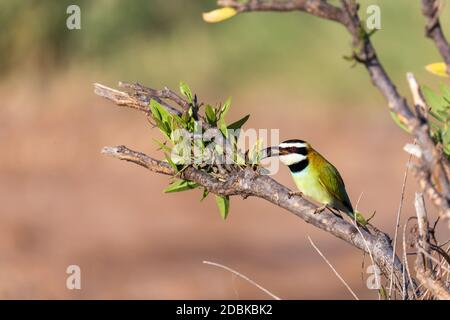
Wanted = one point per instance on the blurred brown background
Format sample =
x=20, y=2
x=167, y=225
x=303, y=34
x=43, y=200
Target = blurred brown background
x=64, y=203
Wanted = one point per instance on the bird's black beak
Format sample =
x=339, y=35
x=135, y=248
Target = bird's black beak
x=270, y=152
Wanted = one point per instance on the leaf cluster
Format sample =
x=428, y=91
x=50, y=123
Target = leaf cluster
x=190, y=126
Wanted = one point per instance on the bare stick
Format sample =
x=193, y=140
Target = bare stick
x=332, y=268
x=433, y=30
x=424, y=230
x=405, y=258
x=243, y=277
x=424, y=260
x=397, y=223
x=437, y=261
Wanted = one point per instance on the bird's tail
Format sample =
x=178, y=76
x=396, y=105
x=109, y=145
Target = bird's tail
x=357, y=216
x=360, y=220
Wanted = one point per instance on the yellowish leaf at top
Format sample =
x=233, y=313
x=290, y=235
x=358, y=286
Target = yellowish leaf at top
x=438, y=68
x=219, y=15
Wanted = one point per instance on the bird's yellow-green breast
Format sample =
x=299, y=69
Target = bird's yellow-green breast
x=308, y=180
x=314, y=176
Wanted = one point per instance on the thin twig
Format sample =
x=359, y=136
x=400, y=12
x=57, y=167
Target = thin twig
x=405, y=258
x=332, y=268
x=397, y=223
x=429, y=256
x=243, y=277
x=433, y=29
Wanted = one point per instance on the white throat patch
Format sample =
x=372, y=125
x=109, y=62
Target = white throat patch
x=292, y=158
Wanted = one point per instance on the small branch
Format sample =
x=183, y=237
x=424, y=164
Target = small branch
x=424, y=264
x=405, y=258
x=433, y=29
x=149, y=93
x=332, y=268
x=120, y=98
x=424, y=230
x=319, y=8
x=123, y=153
x=243, y=277
x=397, y=222
x=432, y=171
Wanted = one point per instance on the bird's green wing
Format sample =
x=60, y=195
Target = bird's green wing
x=331, y=180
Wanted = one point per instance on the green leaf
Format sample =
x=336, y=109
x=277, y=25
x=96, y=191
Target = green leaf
x=223, y=127
x=398, y=122
x=210, y=114
x=445, y=91
x=435, y=102
x=186, y=91
x=170, y=161
x=180, y=185
x=225, y=107
x=162, y=117
x=438, y=117
x=446, y=141
x=238, y=124
x=254, y=154
x=223, y=203
x=163, y=113
x=383, y=293
x=205, y=194
x=360, y=218
x=155, y=110
x=163, y=147
x=178, y=120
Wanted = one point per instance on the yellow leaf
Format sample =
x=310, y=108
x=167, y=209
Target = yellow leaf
x=219, y=14
x=438, y=68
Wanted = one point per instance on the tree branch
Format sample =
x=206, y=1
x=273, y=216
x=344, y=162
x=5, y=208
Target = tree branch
x=433, y=30
x=319, y=8
x=424, y=264
x=248, y=182
x=433, y=168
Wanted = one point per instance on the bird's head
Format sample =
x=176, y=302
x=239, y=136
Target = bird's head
x=290, y=152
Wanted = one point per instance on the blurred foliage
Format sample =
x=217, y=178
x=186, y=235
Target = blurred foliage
x=161, y=41
x=440, y=115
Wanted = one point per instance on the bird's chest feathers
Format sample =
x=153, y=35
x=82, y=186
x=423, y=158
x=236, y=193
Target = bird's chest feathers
x=308, y=183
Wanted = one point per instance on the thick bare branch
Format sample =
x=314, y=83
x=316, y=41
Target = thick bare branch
x=433, y=29
x=247, y=182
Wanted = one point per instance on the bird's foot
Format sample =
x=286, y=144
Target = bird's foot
x=295, y=193
x=320, y=209
x=336, y=213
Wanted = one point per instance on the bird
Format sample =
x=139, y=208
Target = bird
x=313, y=175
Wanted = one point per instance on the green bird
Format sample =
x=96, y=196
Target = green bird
x=314, y=176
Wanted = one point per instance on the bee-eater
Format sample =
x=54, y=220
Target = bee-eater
x=314, y=176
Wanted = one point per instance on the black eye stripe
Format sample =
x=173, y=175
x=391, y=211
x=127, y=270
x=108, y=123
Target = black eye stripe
x=294, y=141
x=299, y=166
